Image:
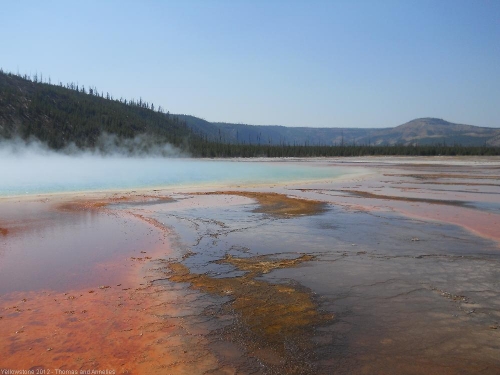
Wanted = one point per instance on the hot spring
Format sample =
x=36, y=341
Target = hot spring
x=55, y=173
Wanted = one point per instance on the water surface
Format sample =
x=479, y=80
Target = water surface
x=404, y=293
x=61, y=173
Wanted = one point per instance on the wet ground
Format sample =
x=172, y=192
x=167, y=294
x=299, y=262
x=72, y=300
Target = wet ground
x=397, y=272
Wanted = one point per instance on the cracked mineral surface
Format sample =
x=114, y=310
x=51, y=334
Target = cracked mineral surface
x=396, y=271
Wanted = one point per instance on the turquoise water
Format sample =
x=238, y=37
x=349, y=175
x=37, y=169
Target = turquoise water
x=60, y=173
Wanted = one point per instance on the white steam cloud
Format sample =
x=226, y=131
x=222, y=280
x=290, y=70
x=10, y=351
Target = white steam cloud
x=31, y=167
x=107, y=145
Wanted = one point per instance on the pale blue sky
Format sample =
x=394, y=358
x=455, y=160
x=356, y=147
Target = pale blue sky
x=297, y=63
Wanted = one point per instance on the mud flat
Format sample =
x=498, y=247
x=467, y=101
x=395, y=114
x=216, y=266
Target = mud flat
x=392, y=271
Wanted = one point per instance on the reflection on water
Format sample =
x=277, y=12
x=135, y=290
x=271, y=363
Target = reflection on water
x=406, y=294
x=51, y=250
x=254, y=287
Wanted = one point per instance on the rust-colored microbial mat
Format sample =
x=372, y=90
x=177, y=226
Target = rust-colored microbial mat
x=391, y=272
x=279, y=204
x=277, y=320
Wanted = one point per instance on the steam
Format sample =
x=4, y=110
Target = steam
x=107, y=145
x=30, y=166
x=140, y=146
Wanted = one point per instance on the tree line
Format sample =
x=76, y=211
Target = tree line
x=211, y=149
x=60, y=115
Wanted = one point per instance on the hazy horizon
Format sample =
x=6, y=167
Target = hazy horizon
x=296, y=63
x=331, y=127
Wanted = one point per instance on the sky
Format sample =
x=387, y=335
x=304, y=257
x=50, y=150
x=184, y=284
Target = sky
x=296, y=63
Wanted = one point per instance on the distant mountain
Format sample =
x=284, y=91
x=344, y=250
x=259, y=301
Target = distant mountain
x=65, y=117
x=423, y=131
x=432, y=130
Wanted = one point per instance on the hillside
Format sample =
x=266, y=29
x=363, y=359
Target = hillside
x=61, y=115
x=65, y=117
x=274, y=134
x=424, y=131
x=432, y=130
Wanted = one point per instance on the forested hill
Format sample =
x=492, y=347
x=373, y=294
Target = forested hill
x=66, y=115
x=63, y=114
